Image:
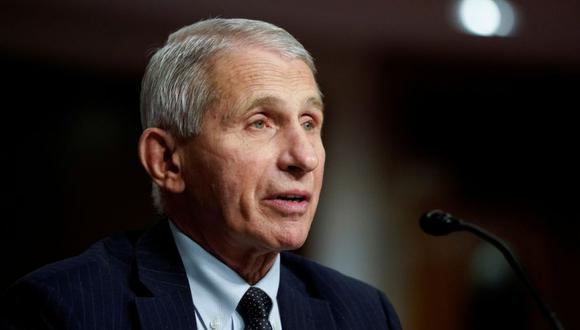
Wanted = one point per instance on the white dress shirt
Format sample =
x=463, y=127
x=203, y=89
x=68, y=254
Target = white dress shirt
x=216, y=289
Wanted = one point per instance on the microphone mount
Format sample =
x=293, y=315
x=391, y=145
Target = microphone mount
x=439, y=223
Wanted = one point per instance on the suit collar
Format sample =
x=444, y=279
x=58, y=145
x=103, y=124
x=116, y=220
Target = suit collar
x=167, y=304
x=298, y=310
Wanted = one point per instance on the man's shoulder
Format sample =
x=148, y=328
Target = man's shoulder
x=310, y=272
x=59, y=292
x=351, y=301
x=113, y=252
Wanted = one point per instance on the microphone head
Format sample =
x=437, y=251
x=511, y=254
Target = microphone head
x=438, y=223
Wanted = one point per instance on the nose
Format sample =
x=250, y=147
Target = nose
x=301, y=152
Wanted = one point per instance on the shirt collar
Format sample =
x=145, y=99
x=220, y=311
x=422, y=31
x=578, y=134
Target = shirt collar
x=215, y=288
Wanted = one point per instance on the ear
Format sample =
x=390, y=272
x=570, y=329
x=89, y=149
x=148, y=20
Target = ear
x=159, y=156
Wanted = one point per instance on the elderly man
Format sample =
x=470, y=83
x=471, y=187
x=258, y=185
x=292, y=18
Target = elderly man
x=232, y=142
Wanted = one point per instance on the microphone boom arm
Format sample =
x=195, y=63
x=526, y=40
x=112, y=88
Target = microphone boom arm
x=438, y=223
x=516, y=266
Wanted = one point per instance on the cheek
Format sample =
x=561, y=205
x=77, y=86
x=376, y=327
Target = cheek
x=321, y=161
x=241, y=178
x=240, y=197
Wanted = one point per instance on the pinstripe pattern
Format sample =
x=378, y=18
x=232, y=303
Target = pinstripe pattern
x=312, y=296
x=127, y=283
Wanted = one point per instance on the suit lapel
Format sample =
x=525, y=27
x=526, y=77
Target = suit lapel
x=297, y=309
x=168, y=303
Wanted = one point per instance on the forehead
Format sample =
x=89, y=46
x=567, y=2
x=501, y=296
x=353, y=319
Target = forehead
x=254, y=73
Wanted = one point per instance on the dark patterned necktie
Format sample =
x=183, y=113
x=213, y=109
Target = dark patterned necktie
x=254, y=308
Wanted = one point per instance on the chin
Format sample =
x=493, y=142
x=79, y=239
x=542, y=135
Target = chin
x=291, y=239
x=290, y=245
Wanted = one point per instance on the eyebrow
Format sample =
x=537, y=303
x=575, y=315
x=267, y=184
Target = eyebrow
x=316, y=102
x=260, y=102
x=313, y=101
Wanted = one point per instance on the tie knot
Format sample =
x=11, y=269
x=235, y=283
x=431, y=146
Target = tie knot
x=254, y=307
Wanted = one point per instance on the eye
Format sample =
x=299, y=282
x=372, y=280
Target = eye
x=309, y=124
x=259, y=124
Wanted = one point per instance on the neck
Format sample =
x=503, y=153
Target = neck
x=253, y=268
x=249, y=264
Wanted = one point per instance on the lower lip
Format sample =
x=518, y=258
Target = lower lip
x=288, y=207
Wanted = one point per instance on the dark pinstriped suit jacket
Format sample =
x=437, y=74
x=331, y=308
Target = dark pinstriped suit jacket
x=128, y=281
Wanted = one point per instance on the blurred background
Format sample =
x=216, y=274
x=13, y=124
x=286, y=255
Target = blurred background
x=467, y=106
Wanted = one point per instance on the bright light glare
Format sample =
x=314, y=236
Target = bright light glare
x=508, y=18
x=480, y=17
x=486, y=17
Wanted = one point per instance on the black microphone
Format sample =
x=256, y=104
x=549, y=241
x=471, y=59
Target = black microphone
x=439, y=223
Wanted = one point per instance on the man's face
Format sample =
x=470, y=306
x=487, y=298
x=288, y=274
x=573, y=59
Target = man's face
x=254, y=173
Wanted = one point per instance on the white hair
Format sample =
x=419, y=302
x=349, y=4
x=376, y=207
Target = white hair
x=177, y=86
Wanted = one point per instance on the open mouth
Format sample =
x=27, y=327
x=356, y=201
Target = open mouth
x=291, y=198
x=289, y=203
